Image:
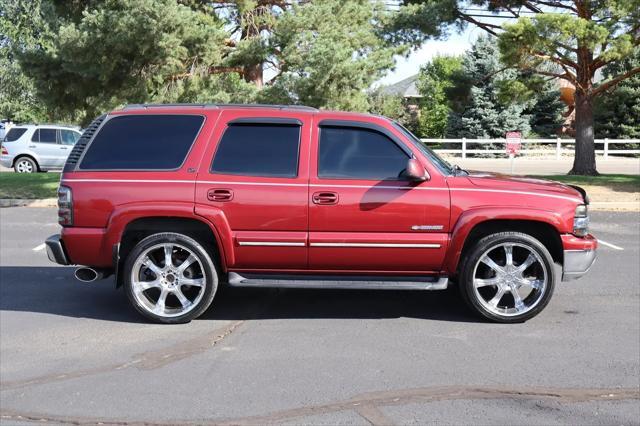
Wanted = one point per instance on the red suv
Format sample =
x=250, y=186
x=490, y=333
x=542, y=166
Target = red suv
x=177, y=199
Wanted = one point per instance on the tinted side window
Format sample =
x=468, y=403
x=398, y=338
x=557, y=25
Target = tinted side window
x=68, y=137
x=143, y=142
x=14, y=134
x=48, y=136
x=354, y=153
x=258, y=150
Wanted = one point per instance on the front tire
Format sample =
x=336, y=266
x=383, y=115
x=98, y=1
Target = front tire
x=507, y=277
x=170, y=278
x=25, y=165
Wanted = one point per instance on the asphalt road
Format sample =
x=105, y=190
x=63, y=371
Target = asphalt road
x=77, y=353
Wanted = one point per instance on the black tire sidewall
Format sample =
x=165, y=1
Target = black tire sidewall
x=474, y=254
x=33, y=164
x=210, y=273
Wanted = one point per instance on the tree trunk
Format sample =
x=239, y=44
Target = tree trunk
x=584, y=162
x=253, y=74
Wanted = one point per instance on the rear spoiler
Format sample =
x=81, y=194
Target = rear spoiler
x=582, y=192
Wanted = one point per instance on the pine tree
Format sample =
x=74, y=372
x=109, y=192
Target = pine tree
x=480, y=112
x=546, y=111
x=617, y=114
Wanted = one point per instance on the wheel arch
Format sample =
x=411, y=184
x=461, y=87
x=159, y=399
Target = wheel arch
x=141, y=227
x=545, y=227
x=30, y=156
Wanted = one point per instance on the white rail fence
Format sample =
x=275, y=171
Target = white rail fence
x=540, y=146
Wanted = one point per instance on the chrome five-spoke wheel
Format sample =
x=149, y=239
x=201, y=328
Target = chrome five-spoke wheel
x=170, y=278
x=508, y=277
x=25, y=165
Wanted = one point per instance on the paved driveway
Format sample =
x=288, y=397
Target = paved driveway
x=76, y=353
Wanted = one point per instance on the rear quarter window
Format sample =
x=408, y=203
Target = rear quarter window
x=14, y=134
x=142, y=142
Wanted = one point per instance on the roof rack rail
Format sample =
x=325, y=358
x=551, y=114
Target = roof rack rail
x=282, y=107
x=145, y=106
x=274, y=106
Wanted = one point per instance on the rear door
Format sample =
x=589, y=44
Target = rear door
x=67, y=138
x=256, y=172
x=44, y=143
x=363, y=215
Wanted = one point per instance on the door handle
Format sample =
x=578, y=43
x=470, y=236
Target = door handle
x=325, y=198
x=220, y=195
x=32, y=146
x=63, y=147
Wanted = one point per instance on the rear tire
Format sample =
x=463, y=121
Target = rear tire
x=25, y=165
x=507, y=277
x=170, y=278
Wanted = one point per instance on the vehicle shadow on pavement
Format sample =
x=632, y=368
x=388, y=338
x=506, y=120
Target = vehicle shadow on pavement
x=54, y=290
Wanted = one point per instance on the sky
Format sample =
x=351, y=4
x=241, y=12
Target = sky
x=456, y=44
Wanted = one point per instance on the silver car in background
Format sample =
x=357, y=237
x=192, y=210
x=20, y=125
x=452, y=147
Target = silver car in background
x=32, y=148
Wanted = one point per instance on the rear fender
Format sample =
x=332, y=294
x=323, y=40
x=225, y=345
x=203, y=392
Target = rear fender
x=125, y=214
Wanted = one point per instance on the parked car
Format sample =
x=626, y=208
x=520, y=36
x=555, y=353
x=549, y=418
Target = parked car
x=35, y=148
x=5, y=125
x=177, y=199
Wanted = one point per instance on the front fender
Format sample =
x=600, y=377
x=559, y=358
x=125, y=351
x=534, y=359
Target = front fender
x=471, y=218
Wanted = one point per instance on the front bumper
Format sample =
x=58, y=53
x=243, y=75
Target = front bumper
x=579, y=256
x=55, y=250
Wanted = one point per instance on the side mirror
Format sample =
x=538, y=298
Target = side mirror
x=415, y=172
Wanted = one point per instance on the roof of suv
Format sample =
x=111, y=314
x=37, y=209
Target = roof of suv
x=55, y=126
x=266, y=107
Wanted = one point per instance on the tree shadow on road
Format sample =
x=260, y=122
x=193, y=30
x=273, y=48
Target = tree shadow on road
x=54, y=290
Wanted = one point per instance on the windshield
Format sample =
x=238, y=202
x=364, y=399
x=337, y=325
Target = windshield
x=440, y=163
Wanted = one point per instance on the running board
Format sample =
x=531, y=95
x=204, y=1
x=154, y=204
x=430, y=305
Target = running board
x=335, y=282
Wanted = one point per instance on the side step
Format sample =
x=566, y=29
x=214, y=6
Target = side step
x=338, y=282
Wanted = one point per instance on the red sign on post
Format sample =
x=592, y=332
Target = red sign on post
x=514, y=142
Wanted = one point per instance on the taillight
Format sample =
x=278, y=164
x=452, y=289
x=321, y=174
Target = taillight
x=3, y=150
x=65, y=206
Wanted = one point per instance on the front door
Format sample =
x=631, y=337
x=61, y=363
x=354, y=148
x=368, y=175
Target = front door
x=256, y=173
x=364, y=217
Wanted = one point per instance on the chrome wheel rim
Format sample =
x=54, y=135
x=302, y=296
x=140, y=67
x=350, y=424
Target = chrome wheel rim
x=168, y=280
x=24, y=167
x=509, y=279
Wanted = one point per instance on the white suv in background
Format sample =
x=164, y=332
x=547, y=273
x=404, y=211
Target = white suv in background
x=34, y=148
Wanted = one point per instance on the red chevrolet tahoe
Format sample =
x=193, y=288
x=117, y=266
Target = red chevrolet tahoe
x=177, y=199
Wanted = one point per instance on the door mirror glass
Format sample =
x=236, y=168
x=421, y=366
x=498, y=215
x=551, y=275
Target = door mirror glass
x=415, y=171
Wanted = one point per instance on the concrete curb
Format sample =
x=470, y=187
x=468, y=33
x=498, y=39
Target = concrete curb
x=23, y=202
x=627, y=206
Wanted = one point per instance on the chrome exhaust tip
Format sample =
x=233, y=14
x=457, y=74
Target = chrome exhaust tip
x=88, y=275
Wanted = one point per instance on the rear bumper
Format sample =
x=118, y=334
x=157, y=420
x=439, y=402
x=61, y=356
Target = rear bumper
x=579, y=256
x=55, y=250
x=6, y=161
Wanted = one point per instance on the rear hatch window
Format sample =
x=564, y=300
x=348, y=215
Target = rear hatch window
x=14, y=134
x=142, y=142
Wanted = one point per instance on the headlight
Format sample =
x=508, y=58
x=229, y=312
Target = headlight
x=581, y=221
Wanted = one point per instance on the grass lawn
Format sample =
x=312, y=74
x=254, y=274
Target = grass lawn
x=611, y=183
x=29, y=185
x=602, y=180
x=611, y=188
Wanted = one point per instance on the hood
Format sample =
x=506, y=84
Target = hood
x=489, y=180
